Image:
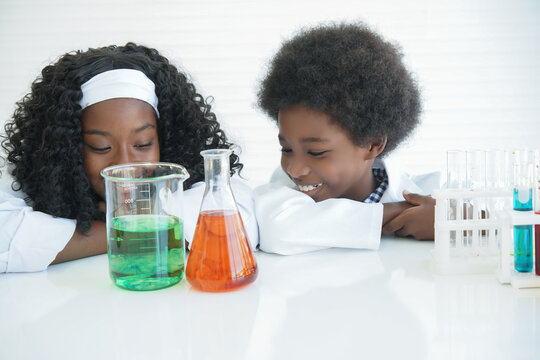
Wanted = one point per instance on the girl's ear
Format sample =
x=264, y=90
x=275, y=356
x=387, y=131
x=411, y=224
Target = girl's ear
x=376, y=147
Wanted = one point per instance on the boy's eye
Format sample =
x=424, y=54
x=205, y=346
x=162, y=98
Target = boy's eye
x=317, y=153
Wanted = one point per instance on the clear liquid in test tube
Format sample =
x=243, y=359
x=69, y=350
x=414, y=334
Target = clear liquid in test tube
x=498, y=178
x=475, y=208
x=455, y=179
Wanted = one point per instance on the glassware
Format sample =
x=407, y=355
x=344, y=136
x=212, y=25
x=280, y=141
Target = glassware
x=537, y=209
x=523, y=181
x=497, y=169
x=475, y=208
x=144, y=224
x=220, y=258
x=522, y=195
x=456, y=164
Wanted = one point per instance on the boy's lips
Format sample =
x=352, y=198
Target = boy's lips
x=309, y=189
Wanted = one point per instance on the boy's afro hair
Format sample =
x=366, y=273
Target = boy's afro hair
x=350, y=73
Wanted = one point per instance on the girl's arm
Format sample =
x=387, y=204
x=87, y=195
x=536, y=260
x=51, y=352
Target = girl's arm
x=79, y=246
x=29, y=240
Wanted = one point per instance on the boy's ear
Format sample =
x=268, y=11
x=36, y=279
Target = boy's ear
x=376, y=147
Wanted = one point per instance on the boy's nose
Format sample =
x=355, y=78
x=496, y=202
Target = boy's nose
x=297, y=169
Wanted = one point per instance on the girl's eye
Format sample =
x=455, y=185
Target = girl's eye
x=317, y=153
x=97, y=149
x=285, y=150
x=142, y=146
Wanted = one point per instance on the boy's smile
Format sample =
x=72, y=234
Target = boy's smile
x=319, y=156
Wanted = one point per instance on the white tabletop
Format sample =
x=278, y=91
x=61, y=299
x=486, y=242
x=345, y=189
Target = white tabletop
x=332, y=304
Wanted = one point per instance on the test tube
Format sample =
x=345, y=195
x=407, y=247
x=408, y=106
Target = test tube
x=522, y=199
x=497, y=179
x=455, y=169
x=455, y=179
x=497, y=165
x=523, y=180
x=475, y=208
x=537, y=209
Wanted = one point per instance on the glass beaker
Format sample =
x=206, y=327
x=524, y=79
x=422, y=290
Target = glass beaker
x=220, y=258
x=144, y=224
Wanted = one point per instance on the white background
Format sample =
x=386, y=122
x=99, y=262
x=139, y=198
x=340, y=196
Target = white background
x=477, y=62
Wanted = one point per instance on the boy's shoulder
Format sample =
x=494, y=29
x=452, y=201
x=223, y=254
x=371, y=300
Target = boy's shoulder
x=400, y=179
x=279, y=177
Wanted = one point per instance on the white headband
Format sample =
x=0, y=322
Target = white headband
x=119, y=83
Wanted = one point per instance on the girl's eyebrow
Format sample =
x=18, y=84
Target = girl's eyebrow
x=144, y=127
x=106, y=133
x=96, y=132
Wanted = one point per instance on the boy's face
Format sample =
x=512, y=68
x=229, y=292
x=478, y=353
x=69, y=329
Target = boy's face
x=117, y=131
x=321, y=159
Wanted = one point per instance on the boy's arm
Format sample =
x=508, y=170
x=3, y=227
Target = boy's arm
x=391, y=210
x=291, y=222
x=417, y=221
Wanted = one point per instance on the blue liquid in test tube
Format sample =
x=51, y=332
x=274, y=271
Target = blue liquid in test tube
x=523, y=248
x=523, y=199
x=523, y=234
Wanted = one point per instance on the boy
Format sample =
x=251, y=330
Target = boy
x=342, y=99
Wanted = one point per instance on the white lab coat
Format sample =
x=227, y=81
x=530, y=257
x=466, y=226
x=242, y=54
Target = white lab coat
x=291, y=222
x=30, y=240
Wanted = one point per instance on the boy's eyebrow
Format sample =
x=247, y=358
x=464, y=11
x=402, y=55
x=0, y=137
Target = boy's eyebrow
x=308, y=139
x=106, y=133
x=314, y=139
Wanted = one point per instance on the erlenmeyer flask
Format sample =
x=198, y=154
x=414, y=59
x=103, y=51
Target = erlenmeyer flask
x=220, y=258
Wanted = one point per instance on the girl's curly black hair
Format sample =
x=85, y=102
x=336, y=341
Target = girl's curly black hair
x=350, y=73
x=44, y=143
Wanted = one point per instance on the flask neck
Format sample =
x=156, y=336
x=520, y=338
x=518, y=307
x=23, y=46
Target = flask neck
x=217, y=194
x=217, y=171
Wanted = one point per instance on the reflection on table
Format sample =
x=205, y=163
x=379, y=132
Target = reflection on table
x=331, y=304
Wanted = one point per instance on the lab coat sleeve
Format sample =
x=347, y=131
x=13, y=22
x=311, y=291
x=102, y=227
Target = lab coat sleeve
x=29, y=240
x=243, y=195
x=291, y=222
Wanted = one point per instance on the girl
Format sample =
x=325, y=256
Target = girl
x=90, y=110
x=342, y=100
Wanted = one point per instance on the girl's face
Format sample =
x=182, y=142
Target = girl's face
x=117, y=131
x=320, y=157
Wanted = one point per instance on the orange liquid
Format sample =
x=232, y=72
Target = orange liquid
x=220, y=258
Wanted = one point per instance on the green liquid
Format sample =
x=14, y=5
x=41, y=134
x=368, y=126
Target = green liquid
x=146, y=252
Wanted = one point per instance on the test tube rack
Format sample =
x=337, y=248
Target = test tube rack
x=466, y=230
x=505, y=271
x=474, y=234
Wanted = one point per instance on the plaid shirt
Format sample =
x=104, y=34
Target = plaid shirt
x=382, y=178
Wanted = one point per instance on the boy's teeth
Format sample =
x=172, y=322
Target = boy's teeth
x=308, y=187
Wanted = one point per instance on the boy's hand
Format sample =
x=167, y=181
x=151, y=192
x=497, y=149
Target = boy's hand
x=417, y=221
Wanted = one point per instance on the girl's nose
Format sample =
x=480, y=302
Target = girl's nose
x=122, y=156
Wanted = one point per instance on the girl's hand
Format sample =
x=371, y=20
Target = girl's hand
x=417, y=221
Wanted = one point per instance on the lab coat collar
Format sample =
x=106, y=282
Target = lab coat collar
x=398, y=180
